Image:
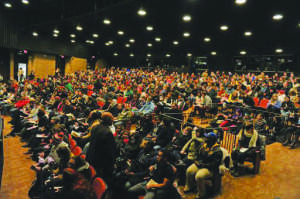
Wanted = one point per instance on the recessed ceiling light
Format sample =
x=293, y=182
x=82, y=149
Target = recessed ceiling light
x=277, y=17
x=175, y=42
x=158, y=39
x=79, y=28
x=106, y=21
x=240, y=2
x=8, y=5
x=213, y=53
x=189, y=54
x=90, y=41
x=73, y=41
x=131, y=55
x=186, y=18
x=224, y=28
x=56, y=31
x=107, y=44
x=248, y=33
x=127, y=45
x=142, y=12
x=168, y=55
x=55, y=35
x=25, y=1
x=35, y=34
x=120, y=32
x=111, y=42
x=72, y=35
x=186, y=34
x=149, y=55
x=131, y=40
x=149, y=28
x=95, y=35
x=116, y=54
x=149, y=45
x=243, y=52
x=207, y=39
x=278, y=50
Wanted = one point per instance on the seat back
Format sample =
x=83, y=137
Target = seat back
x=262, y=146
x=99, y=187
x=76, y=150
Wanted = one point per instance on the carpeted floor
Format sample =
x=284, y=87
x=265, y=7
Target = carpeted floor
x=279, y=177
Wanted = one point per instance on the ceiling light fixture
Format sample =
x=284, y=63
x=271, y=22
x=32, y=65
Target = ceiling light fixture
x=107, y=44
x=149, y=55
x=7, y=5
x=207, y=39
x=95, y=35
x=175, y=42
x=157, y=39
x=79, y=28
x=111, y=42
x=116, y=54
x=278, y=17
x=72, y=35
x=106, y=21
x=240, y=2
x=149, y=28
x=127, y=45
x=90, y=41
x=120, y=32
x=35, y=34
x=73, y=41
x=243, y=52
x=186, y=34
x=248, y=33
x=149, y=45
x=131, y=40
x=224, y=28
x=56, y=31
x=25, y=2
x=213, y=53
x=168, y=55
x=131, y=55
x=278, y=50
x=186, y=18
x=142, y=12
x=189, y=54
x=55, y=35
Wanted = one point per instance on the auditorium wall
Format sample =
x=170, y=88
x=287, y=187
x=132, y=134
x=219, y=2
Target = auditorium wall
x=42, y=65
x=75, y=64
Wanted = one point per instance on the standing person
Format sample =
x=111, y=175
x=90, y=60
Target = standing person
x=102, y=150
x=20, y=75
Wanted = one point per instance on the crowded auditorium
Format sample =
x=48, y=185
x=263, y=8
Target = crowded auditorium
x=149, y=99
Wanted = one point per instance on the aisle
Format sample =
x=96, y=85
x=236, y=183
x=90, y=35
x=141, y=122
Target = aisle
x=17, y=176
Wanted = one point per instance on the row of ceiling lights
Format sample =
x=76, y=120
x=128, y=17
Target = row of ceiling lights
x=213, y=53
x=141, y=12
x=9, y=5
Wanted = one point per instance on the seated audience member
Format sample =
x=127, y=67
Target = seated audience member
x=248, y=138
x=260, y=124
x=191, y=148
x=160, y=183
x=274, y=104
x=207, y=163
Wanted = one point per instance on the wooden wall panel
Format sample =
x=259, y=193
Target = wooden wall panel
x=42, y=65
x=75, y=64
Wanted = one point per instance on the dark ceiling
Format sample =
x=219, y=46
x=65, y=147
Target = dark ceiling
x=43, y=16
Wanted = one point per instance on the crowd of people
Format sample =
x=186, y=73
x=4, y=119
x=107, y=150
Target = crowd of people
x=77, y=127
